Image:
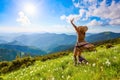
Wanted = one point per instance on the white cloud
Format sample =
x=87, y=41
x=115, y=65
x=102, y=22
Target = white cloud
x=104, y=11
x=115, y=22
x=94, y=23
x=111, y=12
x=75, y=16
x=76, y=5
x=107, y=12
x=23, y=19
x=63, y=17
x=68, y=18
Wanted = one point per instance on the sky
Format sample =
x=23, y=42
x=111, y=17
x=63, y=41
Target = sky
x=39, y=16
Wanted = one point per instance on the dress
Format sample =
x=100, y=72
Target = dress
x=84, y=44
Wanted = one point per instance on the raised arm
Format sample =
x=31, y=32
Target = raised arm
x=74, y=25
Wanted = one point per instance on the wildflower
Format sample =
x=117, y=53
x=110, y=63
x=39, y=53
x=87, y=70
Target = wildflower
x=49, y=70
x=114, y=57
x=85, y=70
x=62, y=61
x=101, y=68
x=31, y=72
x=93, y=64
x=97, y=59
x=62, y=76
x=108, y=62
x=68, y=77
x=53, y=78
x=87, y=63
x=103, y=63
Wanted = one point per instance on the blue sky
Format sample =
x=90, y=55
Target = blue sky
x=54, y=15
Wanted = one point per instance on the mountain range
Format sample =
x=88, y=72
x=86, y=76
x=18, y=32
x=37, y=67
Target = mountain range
x=45, y=42
x=102, y=36
x=41, y=44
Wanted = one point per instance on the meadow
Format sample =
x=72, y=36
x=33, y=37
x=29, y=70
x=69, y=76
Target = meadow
x=104, y=64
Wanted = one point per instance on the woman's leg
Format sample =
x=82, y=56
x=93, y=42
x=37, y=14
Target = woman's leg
x=80, y=58
x=75, y=56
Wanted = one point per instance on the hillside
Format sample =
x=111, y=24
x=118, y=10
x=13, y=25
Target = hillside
x=9, y=52
x=6, y=54
x=104, y=64
x=102, y=36
x=27, y=49
x=61, y=48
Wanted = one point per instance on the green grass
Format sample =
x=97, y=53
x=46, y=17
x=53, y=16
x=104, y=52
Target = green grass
x=104, y=64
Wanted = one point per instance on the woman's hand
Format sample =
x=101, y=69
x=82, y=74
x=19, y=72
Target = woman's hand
x=74, y=24
x=72, y=20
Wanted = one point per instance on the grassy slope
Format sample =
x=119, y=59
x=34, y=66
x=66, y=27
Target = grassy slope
x=103, y=65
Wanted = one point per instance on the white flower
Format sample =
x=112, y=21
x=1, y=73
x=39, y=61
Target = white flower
x=108, y=62
x=87, y=63
x=93, y=64
x=101, y=68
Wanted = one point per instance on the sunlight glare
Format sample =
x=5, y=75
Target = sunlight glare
x=30, y=9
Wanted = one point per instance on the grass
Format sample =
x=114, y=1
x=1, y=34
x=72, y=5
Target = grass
x=104, y=64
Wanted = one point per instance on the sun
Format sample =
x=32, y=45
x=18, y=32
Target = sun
x=30, y=9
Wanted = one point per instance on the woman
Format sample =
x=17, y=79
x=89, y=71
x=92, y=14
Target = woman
x=81, y=43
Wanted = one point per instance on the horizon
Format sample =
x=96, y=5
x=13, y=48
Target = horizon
x=42, y=16
x=30, y=33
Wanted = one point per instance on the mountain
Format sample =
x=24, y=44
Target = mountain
x=89, y=38
x=31, y=50
x=89, y=34
x=102, y=36
x=52, y=42
x=9, y=37
x=46, y=41
x=15, y=43
x=6, y=54
x=61, y=48
x=2, y=41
